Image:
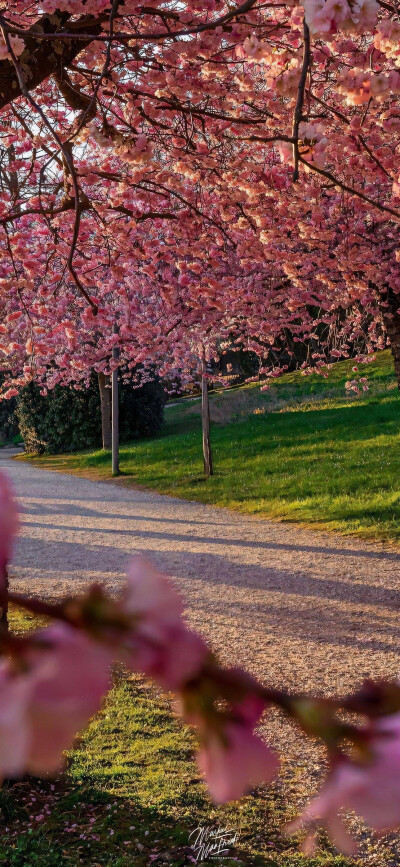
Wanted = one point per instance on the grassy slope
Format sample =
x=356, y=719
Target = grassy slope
x=303, y=451
x=131, y=796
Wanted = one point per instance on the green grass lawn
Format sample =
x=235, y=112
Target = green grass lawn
x=131, y=796
x=304, y=451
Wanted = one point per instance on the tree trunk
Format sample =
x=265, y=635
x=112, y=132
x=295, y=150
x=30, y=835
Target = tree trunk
x=115, y=411
x=205, y=420
x=4, y=603
x=392, y=325
x=41, y=58
x=105, y=401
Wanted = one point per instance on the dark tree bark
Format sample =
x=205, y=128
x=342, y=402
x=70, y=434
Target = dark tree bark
x=115, y=410
x=42, y=58
x=105, y=401
x=393, y=332
x=205, y=420
x=4, y=602
x=391, y=318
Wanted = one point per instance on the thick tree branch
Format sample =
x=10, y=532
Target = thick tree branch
x=75, y=98
x=298, y=112
x=151, y=37
x=42, y=57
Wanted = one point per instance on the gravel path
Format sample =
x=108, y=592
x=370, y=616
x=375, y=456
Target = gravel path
x=305, y=609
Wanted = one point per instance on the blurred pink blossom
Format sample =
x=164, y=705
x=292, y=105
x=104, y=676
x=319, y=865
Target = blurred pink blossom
x=234, y=760
x=70, y=678
x=326, y=16
x=371, y=788
x=160, y=645
x=15, y=692
x=8, y=520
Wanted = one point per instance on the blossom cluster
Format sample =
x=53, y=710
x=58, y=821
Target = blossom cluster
x=359, y=86
x=327, y=16
x=17, y=46
x=357, y=385
x=387, y=39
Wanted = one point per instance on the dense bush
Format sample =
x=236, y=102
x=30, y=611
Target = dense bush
x=67, y=419
x=64, y=420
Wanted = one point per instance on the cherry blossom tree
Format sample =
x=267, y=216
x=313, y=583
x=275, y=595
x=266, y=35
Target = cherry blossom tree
x=268, y=128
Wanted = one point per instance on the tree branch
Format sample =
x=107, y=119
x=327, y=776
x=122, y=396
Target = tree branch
x=298, y=112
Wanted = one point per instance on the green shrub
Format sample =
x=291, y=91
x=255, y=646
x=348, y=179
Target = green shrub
x=64, y=420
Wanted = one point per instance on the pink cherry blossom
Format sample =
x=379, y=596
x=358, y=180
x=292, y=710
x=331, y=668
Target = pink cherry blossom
x=150, y=595
x=139, y=167
x=324, y=16
x=17, y=46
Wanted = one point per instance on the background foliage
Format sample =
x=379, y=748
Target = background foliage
x=8, y=420
x=67, y=419
x=63, y=420
x=141, y=409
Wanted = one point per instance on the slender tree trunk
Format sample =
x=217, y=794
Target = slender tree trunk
x=4, y=602
x=205, y=420
x=115, y=411
x=105, y=401
x=392, y=324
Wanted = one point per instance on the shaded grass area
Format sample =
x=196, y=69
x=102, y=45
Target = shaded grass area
x=303, y=451
x=131, y=795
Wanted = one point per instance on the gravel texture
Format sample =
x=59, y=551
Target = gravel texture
x=308, y=610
